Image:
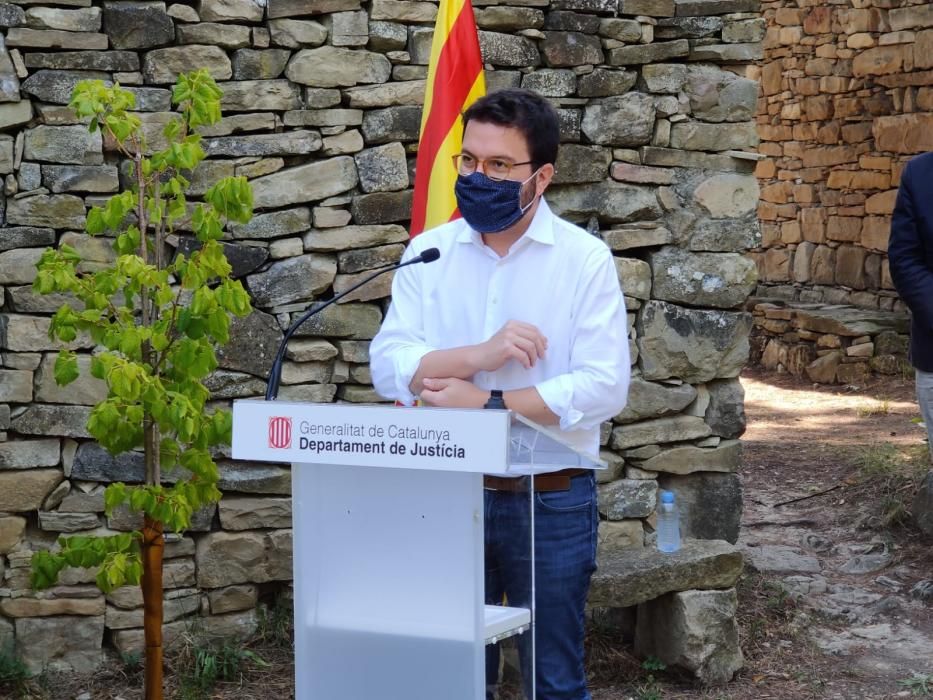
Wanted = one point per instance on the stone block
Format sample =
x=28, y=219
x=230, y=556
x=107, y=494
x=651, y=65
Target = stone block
x=724, y=457
x=648, y=8
x=513, y=19
x=692, y=344
x=381, y=207
x=722, y=280
x=904, y=133
x=226, y=558
x=15, y=386
x=823, y=369
x=259, y=64
x=776, y=265
x=24, y=491
x=296, y=34
x=710, y=504
x=649, y=53
x=577, y=163
x=48, y=607
x=627, y=120
x=291, y=8
x=12, y=529
x=606, y=83
x=410, y=92
x=274, y=224
x=383, y=168
x=654, y=400
x=619, y=534
x=850, y=266
x=51, y=419
x=353, y=321
x=695, y=630
x=635, y=277
x=295, y=279
x=698, y=136
x=245, y=513
x=305, y=183
x=728, y=53
x=508, y=50
x=392, y=124
x=692, y=8
x=330, y=66
x=164, y=65
x=55, y=39
x=233, y=598
x=630, y=576
x=902, y=18
x=65, y=643
x=351, y=237
x=659, y=430
x=231, y=10
x=627, y=498
x=254, y=341
x=562, y=49
x=803, y=260
x=56, y=86
x=551, y=82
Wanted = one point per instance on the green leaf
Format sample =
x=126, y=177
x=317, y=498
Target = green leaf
x=115, y=495
x=45, y=570
x=66, y=368
x=95, y=222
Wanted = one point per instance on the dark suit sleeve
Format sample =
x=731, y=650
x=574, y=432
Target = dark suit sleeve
x=910, y=270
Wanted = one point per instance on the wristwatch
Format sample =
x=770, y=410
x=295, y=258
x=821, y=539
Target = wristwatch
x=496, y=400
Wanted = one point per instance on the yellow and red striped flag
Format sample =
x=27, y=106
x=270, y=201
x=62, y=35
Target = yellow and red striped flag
x=455, y=81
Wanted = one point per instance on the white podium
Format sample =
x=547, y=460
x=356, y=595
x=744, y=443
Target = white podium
x=387, y=508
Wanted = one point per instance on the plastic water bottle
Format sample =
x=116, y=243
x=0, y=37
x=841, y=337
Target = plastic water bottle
x=668, y=524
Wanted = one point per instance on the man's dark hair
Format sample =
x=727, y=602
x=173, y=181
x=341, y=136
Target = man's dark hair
x=526, y=111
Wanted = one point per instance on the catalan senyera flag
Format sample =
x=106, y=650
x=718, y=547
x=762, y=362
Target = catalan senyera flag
x=455, y=81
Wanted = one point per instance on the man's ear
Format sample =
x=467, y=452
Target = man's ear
x=543, y=178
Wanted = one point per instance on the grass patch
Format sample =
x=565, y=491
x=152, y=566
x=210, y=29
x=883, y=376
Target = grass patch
x=276, y=624
x=13, y=674
x=202, y=665
x=876, y=407
x=894, y=473
x=918, y=684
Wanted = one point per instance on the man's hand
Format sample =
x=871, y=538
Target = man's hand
x=453, y=393
x=514, y=341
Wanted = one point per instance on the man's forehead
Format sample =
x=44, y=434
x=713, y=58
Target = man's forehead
x=494, y=139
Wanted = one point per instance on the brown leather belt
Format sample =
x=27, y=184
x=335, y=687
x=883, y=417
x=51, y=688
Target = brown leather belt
x=553, y=481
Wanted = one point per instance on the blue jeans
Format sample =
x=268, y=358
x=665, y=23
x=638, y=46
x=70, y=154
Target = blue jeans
x=925, y=400
x=565, y=559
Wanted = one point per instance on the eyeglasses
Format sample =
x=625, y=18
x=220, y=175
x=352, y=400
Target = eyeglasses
x=493, y=168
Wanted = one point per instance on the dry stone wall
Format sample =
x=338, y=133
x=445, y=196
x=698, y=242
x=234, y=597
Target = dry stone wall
x=323, y=101
x=846, y=100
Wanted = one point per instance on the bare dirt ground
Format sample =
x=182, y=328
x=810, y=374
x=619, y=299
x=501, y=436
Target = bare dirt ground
x=826, y=609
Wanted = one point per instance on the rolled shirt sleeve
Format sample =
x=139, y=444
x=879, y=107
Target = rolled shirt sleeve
x=398, y=347
x=596, y=386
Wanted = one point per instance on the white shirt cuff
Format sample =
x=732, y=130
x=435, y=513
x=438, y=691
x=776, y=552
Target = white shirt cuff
x=557, y=394
x=407, y=361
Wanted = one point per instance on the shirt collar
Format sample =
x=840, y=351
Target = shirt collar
x=541, y=228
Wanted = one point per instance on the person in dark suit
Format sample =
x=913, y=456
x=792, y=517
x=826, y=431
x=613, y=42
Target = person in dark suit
x=910, y=254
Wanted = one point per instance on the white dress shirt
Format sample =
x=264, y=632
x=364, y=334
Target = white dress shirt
x=556, y=277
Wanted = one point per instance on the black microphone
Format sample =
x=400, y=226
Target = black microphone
x=275, y=374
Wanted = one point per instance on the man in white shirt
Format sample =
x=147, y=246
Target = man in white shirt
x=525, y=303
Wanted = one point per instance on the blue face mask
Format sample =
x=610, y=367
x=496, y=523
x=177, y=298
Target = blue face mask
x=490, y=206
